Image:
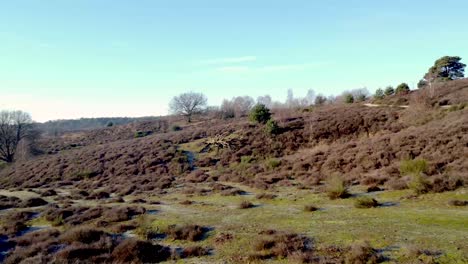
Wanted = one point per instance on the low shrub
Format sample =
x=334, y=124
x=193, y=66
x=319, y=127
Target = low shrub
x=374, y=188
x=222, y=238
x=176, y=128
x=272, y=163
x=419, y=184
x=194, y=251
x=145, y=227
x=186, y=202
x=140, y=134
x=266, y=196
x=49, y=192
x=282, y=245
x=137, y=251
x=271, y=127
x=458, y=203
x=232, y=192
x=33, y=202
x=119, y=214
x=362, y=253
x=310, y=208
x=413, y=167
x=9, y=202
x=84, y=235
x=365, y=202
x=260, y=113
x=186, y=232
x=245, y=205
x=336, y=188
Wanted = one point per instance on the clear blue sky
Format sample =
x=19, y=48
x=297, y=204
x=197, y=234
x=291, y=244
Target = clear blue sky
x=74, y=58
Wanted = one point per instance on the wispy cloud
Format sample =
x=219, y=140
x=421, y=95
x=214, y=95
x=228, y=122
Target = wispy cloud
x=271, y=68
x=230, y=60
x=234, y=69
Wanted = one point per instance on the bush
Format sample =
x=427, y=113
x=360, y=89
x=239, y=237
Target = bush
x=186, y=232
x=176, y=128
x=266, y=196
x=419, y=184
x=282, y=245
x=362, y=252
x=140, y=134
x=84, y=235
x=413, y=167
x=137, y=251
x=245, y=205
x=402, y=89
x=458, y=203
x=271, y=127
x=272, y=163
x=379, y=94
x=389, y=91
x=310, y=208
x=336, y=188
x=194, y=251
x=33, y=202
x=260, y=113
x=349, y=98
x=365, y=202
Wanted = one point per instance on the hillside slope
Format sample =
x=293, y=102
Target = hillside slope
x=364, y=144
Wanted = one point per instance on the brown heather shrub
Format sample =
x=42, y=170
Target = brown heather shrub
x=186, y=202
x=373, y=188
x=38, y=237
x=186, y=232
x=194, y=251
x=98, y=195
x=48, y=192
x=232, y=192
x=12, y=228
x=458, y=203
x=310, y=208
x=197, y=176
x=82, y=215
x=245, y=205
x=84, y=235
x=222, y=238
x=265, y=196
x=362, y=253
x=9, y=202
x=119, y=214
x=33, y=202
x=77, y=253
x=412, y=252
x=397, y=184
x=282, y=245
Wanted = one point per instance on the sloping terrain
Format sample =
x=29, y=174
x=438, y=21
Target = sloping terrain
x=226, y=190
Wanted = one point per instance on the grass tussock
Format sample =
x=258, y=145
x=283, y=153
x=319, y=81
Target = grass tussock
x=365, y=202
x=336, y=188
x=246, y=205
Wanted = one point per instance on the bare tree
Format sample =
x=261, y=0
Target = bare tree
x=265, y=100
x=14, y=127
x=188, y=104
